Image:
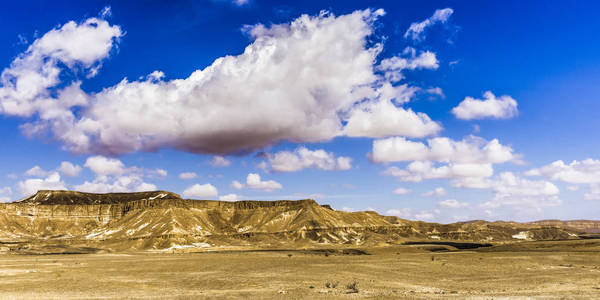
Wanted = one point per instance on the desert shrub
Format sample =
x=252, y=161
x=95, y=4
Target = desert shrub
x=331, y=284
x=352, y=286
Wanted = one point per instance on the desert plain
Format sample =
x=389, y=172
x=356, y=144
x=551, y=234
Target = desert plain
x=521, y=270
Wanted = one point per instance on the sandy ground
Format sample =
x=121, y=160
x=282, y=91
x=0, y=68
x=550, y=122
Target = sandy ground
x=402, y=272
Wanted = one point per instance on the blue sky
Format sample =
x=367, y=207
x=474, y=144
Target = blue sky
x=438, y=110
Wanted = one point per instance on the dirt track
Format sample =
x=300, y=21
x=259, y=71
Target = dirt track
x=387, y=273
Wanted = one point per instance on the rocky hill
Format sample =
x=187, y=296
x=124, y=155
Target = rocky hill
x=163, y=221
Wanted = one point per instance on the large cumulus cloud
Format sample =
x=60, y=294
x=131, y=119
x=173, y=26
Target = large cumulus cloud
x=303, y=81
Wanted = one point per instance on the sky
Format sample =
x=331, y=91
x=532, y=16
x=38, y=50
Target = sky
x=438, y=111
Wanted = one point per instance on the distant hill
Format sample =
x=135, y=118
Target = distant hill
x=162, y=220
x=590, y=226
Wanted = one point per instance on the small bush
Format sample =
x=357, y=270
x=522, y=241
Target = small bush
x=289, y=255
x=330, y=284
x=352, y=286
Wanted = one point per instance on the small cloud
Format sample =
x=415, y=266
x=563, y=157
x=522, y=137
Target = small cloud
x=253, y=181
x=424, y=216
x=105, y=166
x=436, y=91
x=453, y=203
x=37, y=172
x=220, y=161
x=201, y=191
x=437, y=192
x=402, y=191
x=504, y=107
x=161, y=173
x=188, y=175
x=402, y=212
x=229, y=197
x=302, y=158
x=106, y=12
x=68, y=169
x=22, y=40
x=416, y=31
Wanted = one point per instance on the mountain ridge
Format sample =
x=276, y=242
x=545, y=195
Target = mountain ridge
x=163, y=220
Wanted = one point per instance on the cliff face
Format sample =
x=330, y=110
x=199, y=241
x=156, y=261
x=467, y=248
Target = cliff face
x=162, y=220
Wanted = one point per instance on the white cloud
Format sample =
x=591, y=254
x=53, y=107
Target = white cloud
x=471, y=150
x=188, y=175
x=5, y=194
x=511, y=190
x=201, y=191
x=586, y=171
x=418, y=171
x=161, y=173
x=240, y=2
x=453, y=203
x=68, y=169
x=344, y=163
x=118, y=184
x=403, y=212
x=572, y=187
x=472, y=182
x=302, y=158
x=220, y=161
x=503, y=107
x=31, y=186
x=24, y=88
x=105, y=166
x=105, y=12
x=436, y=91
x=290, y=84
x=394, y=66
x=37, y=172
x=229, y=197
x=113, y=176
x=424, y=216
x=416, y=31
x=253, y=181
x=383, y=119
x=402, y=191
x=437, y=192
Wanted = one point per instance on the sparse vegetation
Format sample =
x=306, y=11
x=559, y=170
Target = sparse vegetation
x=352, y=287
x=331, y=284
